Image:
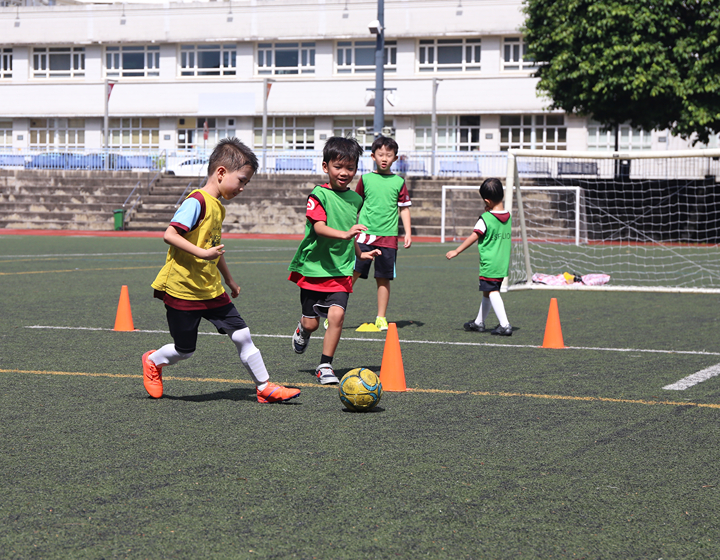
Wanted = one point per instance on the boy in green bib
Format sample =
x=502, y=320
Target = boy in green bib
x=323, y=264
x=385, y=198
x=191, y=282
x=493, y=230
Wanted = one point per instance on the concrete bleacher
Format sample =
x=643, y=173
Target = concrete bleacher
x=270, y=204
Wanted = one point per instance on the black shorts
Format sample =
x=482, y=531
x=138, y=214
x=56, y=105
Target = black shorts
x=384, y=263
x=184, y=324
x=316, y=304
x=489, y=285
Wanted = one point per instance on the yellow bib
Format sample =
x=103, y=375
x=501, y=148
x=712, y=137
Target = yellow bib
x=185, y=276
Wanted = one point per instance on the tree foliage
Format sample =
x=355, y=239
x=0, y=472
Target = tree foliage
x=652, y=63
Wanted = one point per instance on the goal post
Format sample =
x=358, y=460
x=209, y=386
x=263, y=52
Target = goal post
x=650, y=219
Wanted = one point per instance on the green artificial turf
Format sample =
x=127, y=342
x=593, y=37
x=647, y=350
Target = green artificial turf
x=503, y=450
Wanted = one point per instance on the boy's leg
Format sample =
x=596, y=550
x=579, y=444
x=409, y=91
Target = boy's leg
x=384, y=273
x=325, y=372
x=228, y=321
x=336, y=318
x=479, y=323
x=251, y=358
x=183, y=329
x=504, y=328
x=309, y=320
x=383, y=295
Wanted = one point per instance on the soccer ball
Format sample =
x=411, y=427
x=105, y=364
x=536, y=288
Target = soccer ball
x=360, y=389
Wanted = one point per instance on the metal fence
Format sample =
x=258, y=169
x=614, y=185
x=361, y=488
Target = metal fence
x=194, y=163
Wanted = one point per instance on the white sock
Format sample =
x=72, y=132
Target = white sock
x=167, y=356
x=250, y=357
x=499, y=308
x=483, y=311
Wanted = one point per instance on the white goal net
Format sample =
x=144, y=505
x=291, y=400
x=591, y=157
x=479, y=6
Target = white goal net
x=649, y=220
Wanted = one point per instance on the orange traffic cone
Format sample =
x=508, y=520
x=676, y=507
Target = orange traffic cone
x=553, y=332
x=392, y=372
x=123, y=319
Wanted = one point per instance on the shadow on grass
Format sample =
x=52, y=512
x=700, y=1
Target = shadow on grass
x=375, y=410
x=237, y=394
x=487, y=331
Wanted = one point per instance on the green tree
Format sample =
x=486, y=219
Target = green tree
x=652, y=63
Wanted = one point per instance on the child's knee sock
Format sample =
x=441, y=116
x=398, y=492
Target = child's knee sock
x=167, y=356
x=499, y=308
x=483, y=311
x=250, y=357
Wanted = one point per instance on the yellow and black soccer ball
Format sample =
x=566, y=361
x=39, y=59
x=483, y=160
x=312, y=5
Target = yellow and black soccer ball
x=360, y=389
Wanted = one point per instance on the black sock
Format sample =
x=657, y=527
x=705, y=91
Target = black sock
x=326, y=359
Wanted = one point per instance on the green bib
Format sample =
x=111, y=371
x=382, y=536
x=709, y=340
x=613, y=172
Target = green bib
x=380, y=211
x=495, y=247
x=322, y=257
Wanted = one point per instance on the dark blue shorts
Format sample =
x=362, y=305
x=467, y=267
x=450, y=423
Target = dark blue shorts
x=384, y=263
x=489, y=285
x=184, y=324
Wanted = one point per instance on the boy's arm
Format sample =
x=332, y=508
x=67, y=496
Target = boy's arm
x=225, y=271
x=324, y=230
x=472, y=238
x=367, y=256
x=405, y=217
x=173, y=237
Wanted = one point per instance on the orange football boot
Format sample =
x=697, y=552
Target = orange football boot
x=276, y=393
x=152, y=376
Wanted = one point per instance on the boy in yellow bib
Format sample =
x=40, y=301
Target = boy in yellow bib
x=190, y=283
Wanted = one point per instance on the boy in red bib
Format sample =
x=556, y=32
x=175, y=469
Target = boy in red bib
x=190, y=283
x=323, y=264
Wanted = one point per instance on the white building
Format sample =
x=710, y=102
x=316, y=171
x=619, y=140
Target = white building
x=182, y=69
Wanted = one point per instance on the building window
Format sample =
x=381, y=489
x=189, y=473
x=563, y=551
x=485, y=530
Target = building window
x=132, y=62
x=449, y=55
x=134, y=134
x=208, y=60
x=358, y=57
x=60, y=134
x=602, y=139
x=6, y=63
x=542, y=132
x=360, y=128
x=59, y=62
x=286, y=133
x=514, y=54
x=459, y=133
x=191, y=131
x=5, y=133
x=286, y=58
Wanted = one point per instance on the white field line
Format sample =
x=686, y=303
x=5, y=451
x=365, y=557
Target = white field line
x=694, y=379
x=404, y=341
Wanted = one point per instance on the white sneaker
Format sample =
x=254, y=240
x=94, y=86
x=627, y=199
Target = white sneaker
x=326, y=374
x=300, y=339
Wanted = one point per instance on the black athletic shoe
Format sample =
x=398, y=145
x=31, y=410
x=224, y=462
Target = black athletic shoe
x=471, y=326
x=502, y=331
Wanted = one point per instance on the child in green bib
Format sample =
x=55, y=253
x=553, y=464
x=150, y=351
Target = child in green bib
x=386, y=198
x=494, y=236
x=323, y=263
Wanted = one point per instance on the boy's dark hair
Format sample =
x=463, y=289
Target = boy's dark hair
x=232, y=155
x=384, y=142
x=342, y=149
x=492, y=189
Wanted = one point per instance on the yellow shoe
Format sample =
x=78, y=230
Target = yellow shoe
x=381, y=323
